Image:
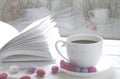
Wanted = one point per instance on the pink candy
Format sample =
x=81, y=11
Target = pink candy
x=40, y=72
x=92, y=69
x=62, y=64
x=66, y=65
x=3, y=76
x=25, y=77
x=54, y=69
x=70, y=67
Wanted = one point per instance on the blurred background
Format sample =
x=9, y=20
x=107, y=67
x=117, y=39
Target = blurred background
x=72, y=16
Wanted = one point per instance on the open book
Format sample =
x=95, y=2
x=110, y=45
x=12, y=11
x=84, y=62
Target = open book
x=31, y=44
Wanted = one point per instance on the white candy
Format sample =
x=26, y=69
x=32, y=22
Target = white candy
x=13, y=69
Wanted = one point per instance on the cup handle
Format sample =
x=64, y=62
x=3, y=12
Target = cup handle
x=56, y=46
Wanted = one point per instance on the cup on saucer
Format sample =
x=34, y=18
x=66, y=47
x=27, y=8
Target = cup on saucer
x=83, y=50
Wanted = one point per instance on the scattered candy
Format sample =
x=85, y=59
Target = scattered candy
x=54, y=69
x=31, y=69
x=92, y=69
x=84, y=70
x=40, y=72
x=62, y=64
x=77, y=69
x=69, y=67
x=25, y=77
x=13, y=69
x=3, y=76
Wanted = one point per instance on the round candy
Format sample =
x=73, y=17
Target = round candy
x=13, y=69
x=3, y=76
x=54, y=69
x=25, y=77
x=40, y=72
x=62, y=64
x=31, y=69
x=77, y=69
x=84, y=70
x=92, y=69
x=69, y=67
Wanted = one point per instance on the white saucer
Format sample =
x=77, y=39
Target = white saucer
x=103, y=65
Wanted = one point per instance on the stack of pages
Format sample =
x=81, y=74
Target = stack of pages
x=32, y=44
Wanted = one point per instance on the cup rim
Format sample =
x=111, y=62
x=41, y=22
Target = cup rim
x=99, y=38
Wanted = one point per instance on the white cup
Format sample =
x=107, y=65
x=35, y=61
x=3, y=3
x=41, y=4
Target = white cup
x=99, y=16
x=83, y=54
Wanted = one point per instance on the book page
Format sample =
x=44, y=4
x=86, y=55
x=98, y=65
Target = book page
x=43, y=54
x=24, y=58
x=31, y=26
x=7, y=32
x=37, y=30
x=32, y=41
